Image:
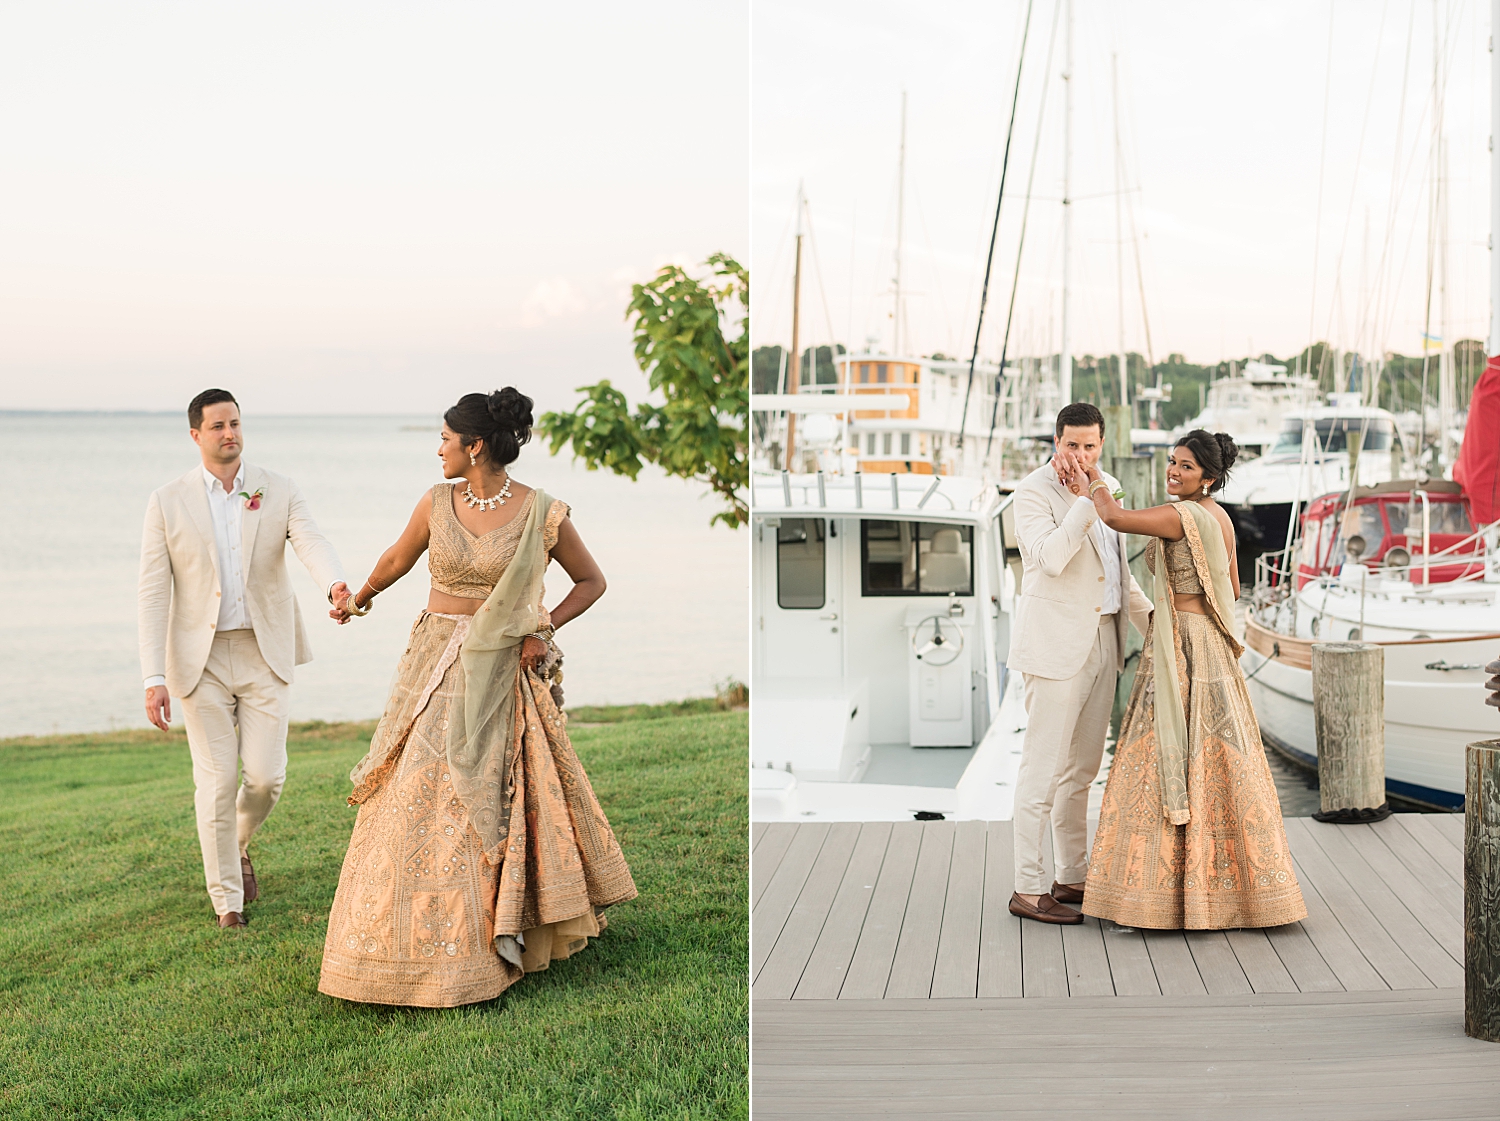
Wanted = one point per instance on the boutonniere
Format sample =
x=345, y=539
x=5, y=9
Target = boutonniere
x=1117, y=495
x=252, y=501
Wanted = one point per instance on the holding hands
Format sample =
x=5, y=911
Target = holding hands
x=1072, y=473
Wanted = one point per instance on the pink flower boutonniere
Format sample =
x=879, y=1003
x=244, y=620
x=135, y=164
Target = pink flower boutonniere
x=252, y=501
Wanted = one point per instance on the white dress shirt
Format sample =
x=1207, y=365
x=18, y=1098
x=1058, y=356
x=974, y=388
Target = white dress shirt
x=227, y=509
x=1108, y=543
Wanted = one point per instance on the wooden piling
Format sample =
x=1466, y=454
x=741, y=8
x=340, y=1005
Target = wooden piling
x=1482, y=891
x=1348, y=685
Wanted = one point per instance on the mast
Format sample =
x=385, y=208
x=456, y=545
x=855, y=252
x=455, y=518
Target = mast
x=1446, y=355
x=900, y=227
x=794, y=365
x=1114, y=77
x=1493, y=346
x=1065, y=351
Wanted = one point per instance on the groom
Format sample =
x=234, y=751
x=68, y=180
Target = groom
x=1069, y=644
x=220, y=629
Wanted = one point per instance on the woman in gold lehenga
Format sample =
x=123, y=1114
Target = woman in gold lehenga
x=479, y=852
x=1190, y=833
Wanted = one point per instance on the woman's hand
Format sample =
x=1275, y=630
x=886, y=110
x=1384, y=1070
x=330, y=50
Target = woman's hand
x=533, y=652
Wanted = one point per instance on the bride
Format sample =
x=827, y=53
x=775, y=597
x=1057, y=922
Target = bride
x=1190, y=833
x=479, y=852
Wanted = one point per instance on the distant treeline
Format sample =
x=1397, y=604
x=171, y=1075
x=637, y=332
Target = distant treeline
x=1097, y=379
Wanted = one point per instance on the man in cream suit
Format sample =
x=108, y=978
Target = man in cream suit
x=220, y=629
x=1069, y=644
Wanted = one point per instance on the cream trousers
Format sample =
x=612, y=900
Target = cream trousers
x=236, y=719
x=1066, y=722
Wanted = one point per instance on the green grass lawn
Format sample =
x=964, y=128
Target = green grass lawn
x=123, y=999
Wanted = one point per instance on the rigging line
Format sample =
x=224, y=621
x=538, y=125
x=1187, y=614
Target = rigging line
x=1377, y=296
x=1364, y=128
x=1312, y=309
x=812, y=243
x=932, y=260
x=1015, y=283
x=989, y=262
x=775, y=272
x=1140, y=275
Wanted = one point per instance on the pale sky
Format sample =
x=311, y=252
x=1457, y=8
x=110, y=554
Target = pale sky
x=367, y=207
x=1222, y=111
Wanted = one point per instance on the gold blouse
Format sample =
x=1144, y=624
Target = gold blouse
x=467, y=566
x=1182, y=574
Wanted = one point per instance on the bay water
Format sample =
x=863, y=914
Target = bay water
x=73, y=493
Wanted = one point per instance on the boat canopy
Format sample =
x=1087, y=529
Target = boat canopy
x=1478, y=466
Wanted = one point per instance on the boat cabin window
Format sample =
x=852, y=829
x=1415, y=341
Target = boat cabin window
x=916, y=559
x=885, y=443
x=869, y=443
x=864, y=373
x=1363, y=519
x=800, y=568
x=881, y=372
x=906, y=443
x=1310, y=543
x=1336, y=433
x=1443, y=517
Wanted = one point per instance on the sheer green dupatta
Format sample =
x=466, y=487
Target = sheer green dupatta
x=1169, y=668
x=480, y=733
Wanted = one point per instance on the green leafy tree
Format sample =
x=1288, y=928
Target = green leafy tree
x=702, y=431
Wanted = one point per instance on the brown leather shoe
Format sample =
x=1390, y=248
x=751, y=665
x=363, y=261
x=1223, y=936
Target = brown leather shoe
x=247, y=872
x=232, y=918
x=1047, y=909
x=1065, y=894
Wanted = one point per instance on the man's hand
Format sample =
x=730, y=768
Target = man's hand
x=340, y=595
x=1071, y=472
x=159, y=707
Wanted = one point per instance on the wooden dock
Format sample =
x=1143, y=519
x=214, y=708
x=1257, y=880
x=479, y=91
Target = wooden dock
x=889, y=978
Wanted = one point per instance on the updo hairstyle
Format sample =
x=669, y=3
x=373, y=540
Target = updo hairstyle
x=1214, y=451
x=501, y=419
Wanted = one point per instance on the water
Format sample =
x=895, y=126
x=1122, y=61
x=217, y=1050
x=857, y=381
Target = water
x=73, y=491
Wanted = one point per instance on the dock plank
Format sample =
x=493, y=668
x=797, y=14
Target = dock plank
x=1333, y=943
x=1413, y=938
x=778, y=978
x=757, y=831
x=1176, y=971
x=1432, y=875
x=956, y=973
x=1420, y=900
x=1130, y=965
x=1262, y=966
x=1087, y=962
x=1044, y=966
x=1339, y=1056
x=781, y=894
x=999, y=931
x=1373, y=940
x=870, y=968
x=824, y=973
x=922, y=926
x=1217, y=966
x=1451, y=826
x=1300, y=956
x=1449, y=857
x=767, y=856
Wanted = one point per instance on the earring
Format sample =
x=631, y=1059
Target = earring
x=472, y=460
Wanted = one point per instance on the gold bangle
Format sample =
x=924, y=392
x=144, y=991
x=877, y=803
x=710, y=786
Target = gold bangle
x=1097, y=483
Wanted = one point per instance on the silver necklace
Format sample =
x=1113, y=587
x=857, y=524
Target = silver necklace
x=486, y=504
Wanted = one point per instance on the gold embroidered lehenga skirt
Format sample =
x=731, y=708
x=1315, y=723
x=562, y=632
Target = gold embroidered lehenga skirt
x=1228, y=866
x=422, y=917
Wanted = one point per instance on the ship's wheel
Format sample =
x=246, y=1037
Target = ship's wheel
x=937, y=641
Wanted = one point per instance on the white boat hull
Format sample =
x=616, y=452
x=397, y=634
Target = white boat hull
x=1430, y=714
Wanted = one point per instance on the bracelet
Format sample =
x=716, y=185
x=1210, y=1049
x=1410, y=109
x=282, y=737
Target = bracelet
x=354, y=608
x=1097, y=483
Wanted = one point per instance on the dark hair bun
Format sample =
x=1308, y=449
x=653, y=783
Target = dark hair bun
x=501, y=419
x=510, y=409
x=1228, y=452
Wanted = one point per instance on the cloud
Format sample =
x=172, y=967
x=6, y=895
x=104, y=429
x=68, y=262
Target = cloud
x=554, y=298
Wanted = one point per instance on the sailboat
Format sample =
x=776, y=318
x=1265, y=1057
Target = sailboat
x=1411, y=564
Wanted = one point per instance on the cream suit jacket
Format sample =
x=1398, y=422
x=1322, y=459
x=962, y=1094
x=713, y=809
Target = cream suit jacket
x=1062, y=581
x=179, y=587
